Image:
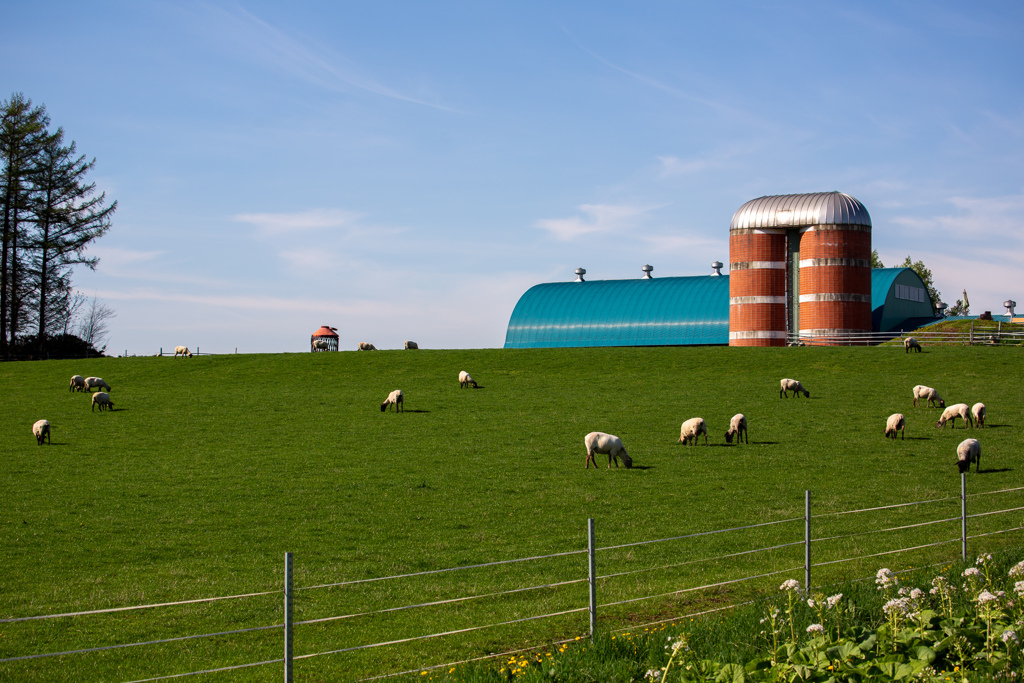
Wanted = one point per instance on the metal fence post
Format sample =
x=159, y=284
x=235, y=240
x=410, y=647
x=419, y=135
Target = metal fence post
x=807, y=541
x=287, y=618
x=592, y=574
x=963, y=516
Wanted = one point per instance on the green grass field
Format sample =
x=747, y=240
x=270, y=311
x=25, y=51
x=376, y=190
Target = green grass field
x=211, y=468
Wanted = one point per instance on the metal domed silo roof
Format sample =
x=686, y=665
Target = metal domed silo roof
x=798, y=210
x=657, y=312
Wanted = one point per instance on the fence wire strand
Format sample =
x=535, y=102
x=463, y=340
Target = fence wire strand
x=712, y=559
x=440, y=602
x=994, y=512
x=885, y=507
x=993, y=533
x=148, y=642
x=989, y=493
x=209, y=671
x=700, y=533
x=442, y=634
x=887, y=552
x=441, y=571
x=136, y=607
x=697, y=588
x=879, y=531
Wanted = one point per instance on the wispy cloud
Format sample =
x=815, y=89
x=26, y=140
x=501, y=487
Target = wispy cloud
x=117, y=257
x=298, y=56
x=300, y=221
x=992, y=222
x=596, y=218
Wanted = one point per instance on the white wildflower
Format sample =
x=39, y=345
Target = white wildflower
x=898, y=605
x=885, y=579
x=790, y=585
x=652, y=674
x=1008, y=635
x=811, y=603
x=815, y=629
x=916, y=594
x=903, y=591
x=984, y=558
x=1017, y=570
x=1018, y=588
x=972, y=571
x=985, y=596
x=833, y=600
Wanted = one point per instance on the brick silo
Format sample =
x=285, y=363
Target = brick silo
x=799, y=264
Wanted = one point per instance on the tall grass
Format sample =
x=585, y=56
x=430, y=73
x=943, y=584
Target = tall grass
x=211, y=468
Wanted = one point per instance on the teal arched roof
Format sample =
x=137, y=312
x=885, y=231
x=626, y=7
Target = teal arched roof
x=889, y=310
x=663, y=311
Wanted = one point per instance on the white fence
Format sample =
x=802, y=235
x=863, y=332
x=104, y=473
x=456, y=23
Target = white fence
x=979, y=334
x=801, y=535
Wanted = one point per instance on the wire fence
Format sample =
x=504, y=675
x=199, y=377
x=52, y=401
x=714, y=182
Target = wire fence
x=986, y=333
x=794, y=531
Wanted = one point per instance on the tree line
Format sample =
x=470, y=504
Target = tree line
x=51, y=213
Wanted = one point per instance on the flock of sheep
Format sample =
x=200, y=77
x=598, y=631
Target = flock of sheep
x=969, y=451
x=41, y=428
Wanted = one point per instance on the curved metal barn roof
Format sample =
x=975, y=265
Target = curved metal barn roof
x=659, y=312
x=890, y=312
x=799, y=210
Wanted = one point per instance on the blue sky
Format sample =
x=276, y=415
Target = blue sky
x=406, y=170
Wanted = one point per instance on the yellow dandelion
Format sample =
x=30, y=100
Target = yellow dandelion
x=423, y=673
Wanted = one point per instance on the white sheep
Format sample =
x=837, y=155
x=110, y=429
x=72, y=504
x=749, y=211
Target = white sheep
x=320, y=345
x=182, y=351
x=367, y=346
x=911, y=343
x=967, y=452
x=411, y=345
x=96, y=383
x=41, y=430
x=896, y=423
x=77, y=383
x=599, y=442
x=693, y=428
x=395, y=398
x=978, y=411
x=465, y=380
x=102, y=399
x=923, y=393
x=737, y=428
x=794, y=386
x=953, y=412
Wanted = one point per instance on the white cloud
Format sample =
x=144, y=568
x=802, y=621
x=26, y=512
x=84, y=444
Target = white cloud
x=673, y=166
x=313, y=219
x=597, y=218
x=116, y=257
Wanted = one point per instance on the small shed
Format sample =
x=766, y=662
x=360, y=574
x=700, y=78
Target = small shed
x=329, y=335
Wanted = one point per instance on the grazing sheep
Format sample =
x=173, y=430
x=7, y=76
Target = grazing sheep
x=395, y=398
x=77, y=383
x=182, y=351
x=911, y=343
x=794, y=386
x=894, y=424
x=599, y=442
x=411, y=345
x=41, y=429
x=978, y=411
x=320, y=345
x=967, y=452
x=102, y=399
x=737, y=428
x=96, y=383
x=366, y=346
x=693, y=428
x=465, y=380
x=953, y=412
x=923, y=393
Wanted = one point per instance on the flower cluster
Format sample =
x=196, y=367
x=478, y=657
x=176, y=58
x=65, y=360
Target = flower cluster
x=885, y=579
x=790, y=585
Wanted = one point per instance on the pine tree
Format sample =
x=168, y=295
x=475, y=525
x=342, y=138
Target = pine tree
x=22, y=130
x=68, y=215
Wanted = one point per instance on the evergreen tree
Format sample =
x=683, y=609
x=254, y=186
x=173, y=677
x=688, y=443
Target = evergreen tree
x=22, y=130
x=68, y=215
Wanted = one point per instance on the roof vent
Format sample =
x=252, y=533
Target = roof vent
x=580, y=272
x=941, y=308
x=717, y=267
x=647, y=272
x=1010, y=304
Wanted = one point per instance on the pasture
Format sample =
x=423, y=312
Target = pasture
x=209, y=469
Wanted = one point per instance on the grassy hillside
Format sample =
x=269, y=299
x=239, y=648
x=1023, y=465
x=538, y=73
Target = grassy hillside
x=211, y=468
